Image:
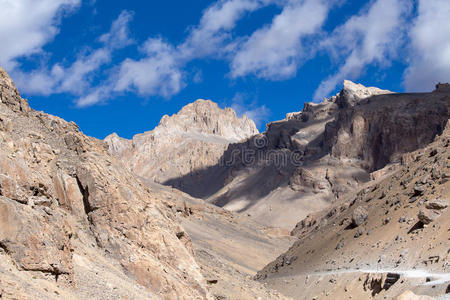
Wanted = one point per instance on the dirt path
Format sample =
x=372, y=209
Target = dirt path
x=435, y=278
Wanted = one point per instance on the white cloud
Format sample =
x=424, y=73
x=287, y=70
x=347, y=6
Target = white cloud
x=95, y=96
x=119, y=35
x=429, y=62
x=371, y=37
x=215, y=25
x=198, y=76
x=76, y=78
x=156, y=74
x=160, y=71
x=27, y=25
x=273, y=52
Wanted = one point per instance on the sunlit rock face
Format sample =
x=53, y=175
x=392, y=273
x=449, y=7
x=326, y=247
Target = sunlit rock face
x=192, y=140
x=75, y=222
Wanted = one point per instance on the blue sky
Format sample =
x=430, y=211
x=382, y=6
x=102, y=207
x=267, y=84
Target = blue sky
x=119, y=66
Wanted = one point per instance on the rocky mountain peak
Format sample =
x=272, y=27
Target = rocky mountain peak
x=6, y=82
x=206, y=117
x=193, y=139
x=9, y=94
x=117, y=144
x=352, y=93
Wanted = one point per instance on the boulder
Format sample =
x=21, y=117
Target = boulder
x=304, y=180
x=359, y=216
x=437, y=204
x=427, y=216
x=419, y=190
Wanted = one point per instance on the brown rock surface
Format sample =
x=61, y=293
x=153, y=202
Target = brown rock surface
x=74, y=223
x=408, y=295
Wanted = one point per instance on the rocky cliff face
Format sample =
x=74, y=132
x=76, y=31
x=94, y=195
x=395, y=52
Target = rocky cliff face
x=74, y=223
x=381, y=128
x=183, y=144
x=386, y=238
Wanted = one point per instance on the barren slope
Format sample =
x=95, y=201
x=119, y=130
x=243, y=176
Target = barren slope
x=398, y=224
x=229, y=248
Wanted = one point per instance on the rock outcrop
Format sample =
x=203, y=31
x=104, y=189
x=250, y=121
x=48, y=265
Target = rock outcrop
x=352, y=93
x=381, y=128
x=75, y=224
x=184, y=144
